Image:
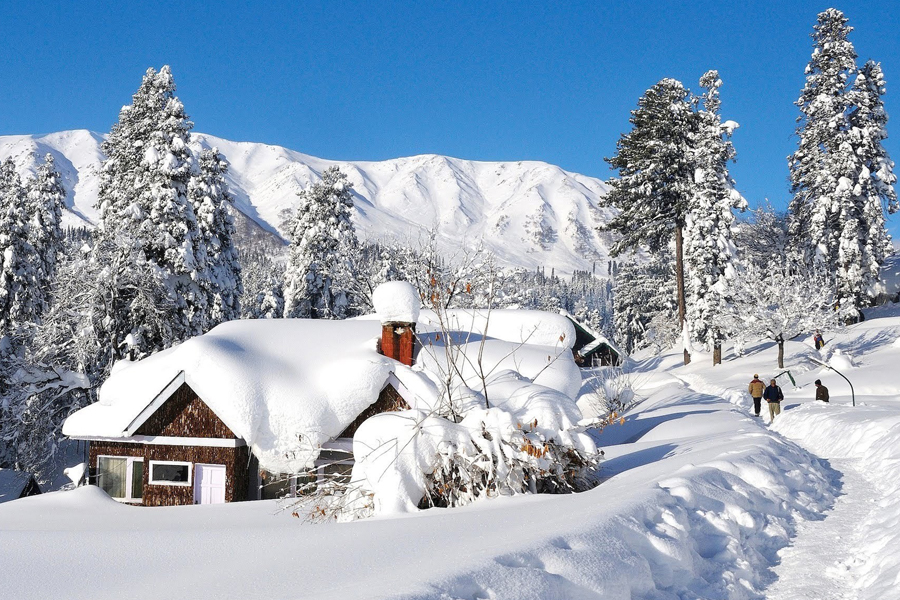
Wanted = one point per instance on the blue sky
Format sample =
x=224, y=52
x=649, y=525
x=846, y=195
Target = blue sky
x=487, y=81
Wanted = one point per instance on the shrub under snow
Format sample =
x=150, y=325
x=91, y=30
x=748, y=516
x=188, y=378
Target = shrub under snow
x=528, y=441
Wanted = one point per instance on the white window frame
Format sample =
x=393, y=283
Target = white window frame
x=190, y=477
x=129, y=472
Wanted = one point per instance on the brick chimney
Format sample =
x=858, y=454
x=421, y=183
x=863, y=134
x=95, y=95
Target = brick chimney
x=398, y=341
x=397, y=306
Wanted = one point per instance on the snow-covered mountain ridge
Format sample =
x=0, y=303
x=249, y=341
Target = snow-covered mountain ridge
x=527, y=213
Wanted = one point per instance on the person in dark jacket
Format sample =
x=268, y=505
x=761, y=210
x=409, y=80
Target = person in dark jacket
x=821, y=391
x=756, y=388
x=773, y=396
x=819, y=340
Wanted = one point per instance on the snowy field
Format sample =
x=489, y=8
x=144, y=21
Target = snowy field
x=700, y=500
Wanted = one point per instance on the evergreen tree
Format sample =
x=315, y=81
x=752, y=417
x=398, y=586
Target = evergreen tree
x=46, y=199
x=146, y=215
x=655, y=184
x=817, y=165
x=20, y=301
x=263, y=281
x=644, y=305
x=217, y=257
x=841, y=176
x=323, y=246
x=708, y=249
x=874, y=185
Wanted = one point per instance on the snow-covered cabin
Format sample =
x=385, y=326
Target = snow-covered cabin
x=593, y=349
x=17, y=484
x=220, y=417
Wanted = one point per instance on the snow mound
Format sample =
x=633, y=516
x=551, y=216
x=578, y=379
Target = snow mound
x=396, y=302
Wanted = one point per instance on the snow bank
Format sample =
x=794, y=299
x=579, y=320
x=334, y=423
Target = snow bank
x=870, y=434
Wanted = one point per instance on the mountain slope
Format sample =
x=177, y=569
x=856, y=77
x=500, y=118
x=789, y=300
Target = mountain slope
x=528, y=213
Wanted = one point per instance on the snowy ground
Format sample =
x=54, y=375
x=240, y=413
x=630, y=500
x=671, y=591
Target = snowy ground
x=701, y=500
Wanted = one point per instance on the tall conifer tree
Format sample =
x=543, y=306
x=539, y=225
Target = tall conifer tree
x=20, y=301
x=217, y=257
x=323, y=244
x=144, y=209
x=655, y=184
x=709, y=249
x=842, y=179
x=46, y=198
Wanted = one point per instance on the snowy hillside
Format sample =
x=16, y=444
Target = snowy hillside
x=528, y=213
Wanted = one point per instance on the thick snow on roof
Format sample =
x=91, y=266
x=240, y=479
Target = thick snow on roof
x=270, y=381
x=286, y=386
x=516, y=326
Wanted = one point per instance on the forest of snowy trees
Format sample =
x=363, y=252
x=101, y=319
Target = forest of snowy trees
x=162, y=264
x=772, y=275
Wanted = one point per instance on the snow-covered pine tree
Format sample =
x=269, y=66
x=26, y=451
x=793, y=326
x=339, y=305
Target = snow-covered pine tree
x=842, y=178
x=20, y=298
x=644, y=305
x=144, y=208
x=656, y=178
x=323, y=245
x=263, y=281
x=816, y=167
x=217, y=257
x=46, y=198
x=874, y=185
x=709, y=251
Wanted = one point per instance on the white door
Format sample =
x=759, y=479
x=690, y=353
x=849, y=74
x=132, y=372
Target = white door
x=209, y=484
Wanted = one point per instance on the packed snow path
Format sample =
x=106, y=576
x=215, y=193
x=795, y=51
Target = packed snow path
x=816, y=566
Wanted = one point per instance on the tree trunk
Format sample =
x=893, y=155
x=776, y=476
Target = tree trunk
x=781, y=353
x=679, y=280
x=717, y=353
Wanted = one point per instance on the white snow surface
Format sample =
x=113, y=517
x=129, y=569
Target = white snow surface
x=700, y=500
x=396, y=302
x=527, y=213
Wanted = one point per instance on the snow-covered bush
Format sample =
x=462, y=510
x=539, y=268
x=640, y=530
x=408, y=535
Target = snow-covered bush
x=529, y=442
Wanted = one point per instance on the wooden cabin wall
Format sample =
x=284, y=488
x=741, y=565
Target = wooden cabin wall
x=184, y=414
x=236, y=461
x=388, y=400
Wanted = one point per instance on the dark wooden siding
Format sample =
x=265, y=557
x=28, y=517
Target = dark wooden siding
x=184, y=414
x=236, y=462
x=388, y=400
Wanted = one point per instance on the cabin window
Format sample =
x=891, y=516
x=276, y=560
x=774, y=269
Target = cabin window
x=167, y=472
x=122, y=477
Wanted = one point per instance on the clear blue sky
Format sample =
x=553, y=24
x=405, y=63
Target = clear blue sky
x=551, y=81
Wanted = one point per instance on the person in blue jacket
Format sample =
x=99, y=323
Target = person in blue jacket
x=773, y=396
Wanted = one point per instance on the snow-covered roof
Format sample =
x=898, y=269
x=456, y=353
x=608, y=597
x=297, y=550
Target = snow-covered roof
x=286, y=386
x=269, y=380
x=599, y=338
x=12, y=483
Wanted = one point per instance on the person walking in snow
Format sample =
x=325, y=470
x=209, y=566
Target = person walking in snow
x=756, y=388
x=821, y=391
x=773, y=396
x=819, y=340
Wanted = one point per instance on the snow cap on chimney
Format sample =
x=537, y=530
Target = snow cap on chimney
x=396, y=302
